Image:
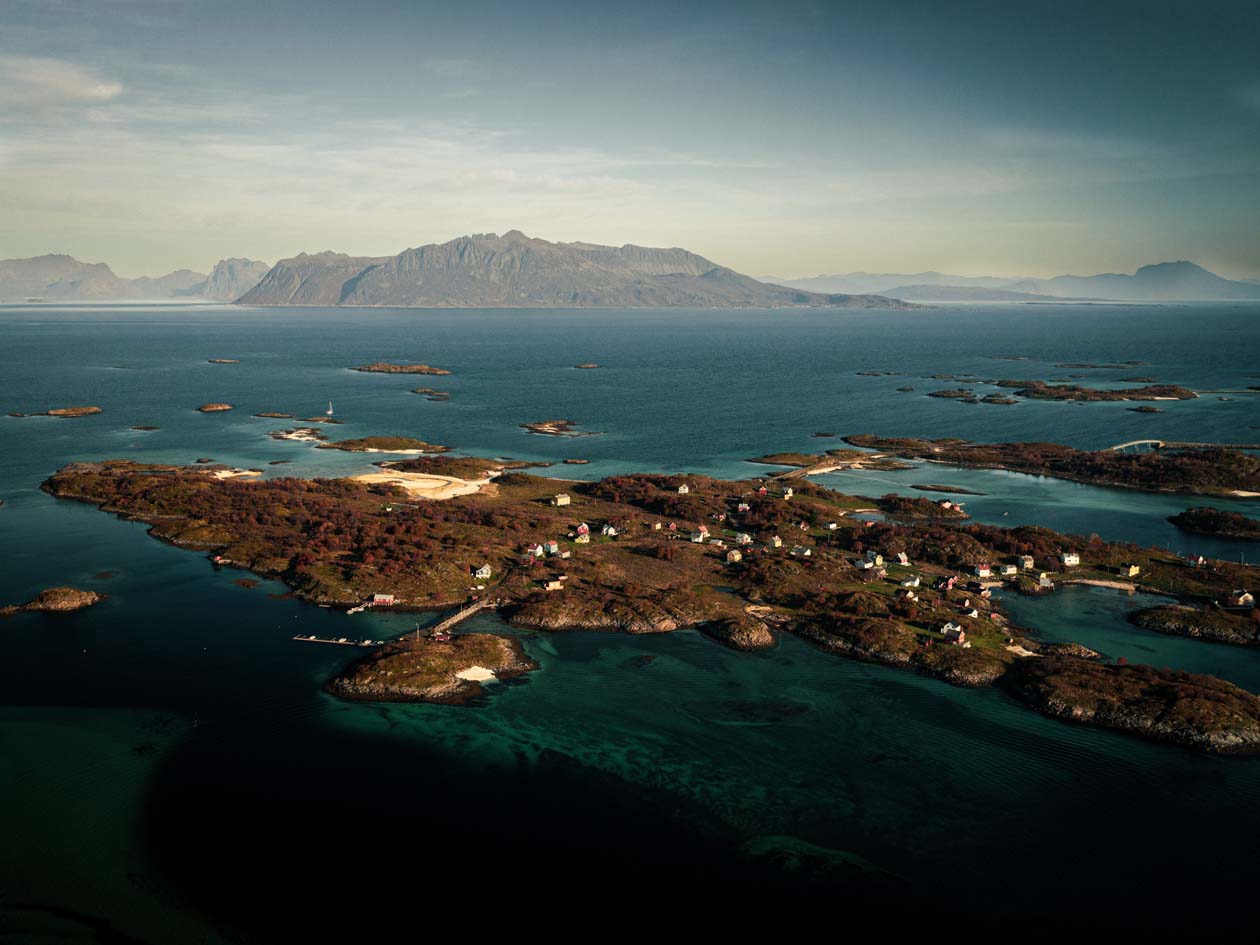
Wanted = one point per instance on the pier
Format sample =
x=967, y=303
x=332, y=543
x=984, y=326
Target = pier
x=447, y=624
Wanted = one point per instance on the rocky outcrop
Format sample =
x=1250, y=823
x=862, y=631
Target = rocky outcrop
x=214, y=408
x=515, y=271
x=60, y=600
x=740, y=633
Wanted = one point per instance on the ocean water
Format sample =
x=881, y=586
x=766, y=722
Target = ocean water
x=172, y=771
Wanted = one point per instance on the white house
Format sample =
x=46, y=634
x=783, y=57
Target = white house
x=743, y=538
x=1008, y=570
x=560, y=498
x=774, y=542
x=911, y=582
x=801, y=551
x=903, y=558
x=483, y=572
x=983, y=570
x=609, y=531
x=684, y=489
x=1070, y=559
x=734, y=555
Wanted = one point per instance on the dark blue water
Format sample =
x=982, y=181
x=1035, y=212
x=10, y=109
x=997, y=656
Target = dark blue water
x=176, y=728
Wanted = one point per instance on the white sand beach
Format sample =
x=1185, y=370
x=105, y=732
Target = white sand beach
x=426, y=486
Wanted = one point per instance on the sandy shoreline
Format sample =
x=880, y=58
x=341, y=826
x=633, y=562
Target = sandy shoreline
x=425, y=486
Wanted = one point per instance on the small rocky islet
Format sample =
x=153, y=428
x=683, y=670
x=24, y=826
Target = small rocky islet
x=56, y=600
x=386, y=367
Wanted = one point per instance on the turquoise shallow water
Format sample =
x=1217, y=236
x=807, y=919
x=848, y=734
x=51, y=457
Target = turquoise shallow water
x=642, y=760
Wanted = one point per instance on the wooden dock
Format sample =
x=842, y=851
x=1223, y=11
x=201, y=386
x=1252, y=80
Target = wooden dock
x=447, y=624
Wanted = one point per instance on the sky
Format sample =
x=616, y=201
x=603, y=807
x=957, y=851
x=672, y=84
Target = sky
x=787, y=138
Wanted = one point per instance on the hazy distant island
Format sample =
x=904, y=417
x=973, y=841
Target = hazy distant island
x=62, y=278
x=516, y=271
x=1166, y=281
x=654, y=554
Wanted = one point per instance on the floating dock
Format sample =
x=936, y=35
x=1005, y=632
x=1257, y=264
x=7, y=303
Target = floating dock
x=339, y=641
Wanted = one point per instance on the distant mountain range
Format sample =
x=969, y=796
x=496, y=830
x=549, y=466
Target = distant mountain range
x=1163, y=282
x=517, y=271
x=64, y=278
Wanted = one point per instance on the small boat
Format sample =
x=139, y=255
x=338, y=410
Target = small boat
x=329, y=411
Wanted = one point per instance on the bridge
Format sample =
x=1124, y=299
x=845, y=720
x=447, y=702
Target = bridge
x=1176, y=445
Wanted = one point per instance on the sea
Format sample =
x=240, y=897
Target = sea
x=171, y=769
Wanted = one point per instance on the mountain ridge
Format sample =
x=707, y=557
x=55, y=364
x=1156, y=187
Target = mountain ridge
x=486, y=270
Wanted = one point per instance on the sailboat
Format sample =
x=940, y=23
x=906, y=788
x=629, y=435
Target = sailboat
x=329, y=411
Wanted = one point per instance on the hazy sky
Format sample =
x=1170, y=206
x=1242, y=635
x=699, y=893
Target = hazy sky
x=1013, y=138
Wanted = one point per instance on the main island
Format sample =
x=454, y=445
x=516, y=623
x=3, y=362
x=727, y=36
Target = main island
x=908, y=582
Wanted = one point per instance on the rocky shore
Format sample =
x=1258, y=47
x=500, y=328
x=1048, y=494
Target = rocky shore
x=1209, y=623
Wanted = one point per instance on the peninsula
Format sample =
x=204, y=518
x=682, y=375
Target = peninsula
x=1218, y=471
x=742, y=561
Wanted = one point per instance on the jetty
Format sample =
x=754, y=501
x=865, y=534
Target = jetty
x=447, y=624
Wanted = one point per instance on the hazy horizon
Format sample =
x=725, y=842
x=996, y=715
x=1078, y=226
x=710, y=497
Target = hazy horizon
x=798, y=140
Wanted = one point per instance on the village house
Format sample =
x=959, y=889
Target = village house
x=763, y=491
x=566, y=554
x=1239, y=599
x=787, y=493
x=743, y=538
x=903, y=558
x=534, y=551
x=483, y=573
x=1070, y=559
x=1130, y=570
x=1196, y=561
x=656, y=526
x=875, y=557
x=983, y=570
x=1008, y=570
x=864, y=565
x=382, y=600
x=774, y=542
x=801, y=551
x=954, y=634
x=743, y=507
x=583, y=529
x=609, y=531
x=946, y=584
x=699, y=538
x=907, y=594
x=832, y=526
x=911, y=582
x=552, y=547
x=972, y=613
x=1026, y=562
x=560, y=498
x=583, y=538
x=1043, y=580
x=684, y=489
x=734, y=555
x=553, y=585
